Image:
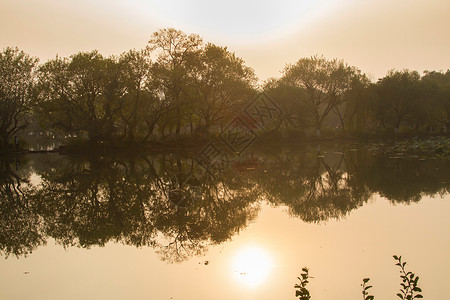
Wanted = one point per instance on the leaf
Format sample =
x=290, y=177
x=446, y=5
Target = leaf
x=417, y=289
x=368, y=287
x=418, y=296
x=395, y=257
x=400, y=295
x=370, y=298
x=365, y=280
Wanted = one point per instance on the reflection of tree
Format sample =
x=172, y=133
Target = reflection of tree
x=216, y=212
x=317, y=186
x=20, y=227
x=94, y=200
x=314, y=186
x=406, y=180
x=91, y=202
x=330, y=192
x=172, y=204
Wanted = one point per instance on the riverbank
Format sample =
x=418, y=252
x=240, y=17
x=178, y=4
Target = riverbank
x=397, y=147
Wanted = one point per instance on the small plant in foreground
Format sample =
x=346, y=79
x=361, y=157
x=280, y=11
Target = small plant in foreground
x=410, y=289
x=409, y=284
x=302, y=292
x=365, y=287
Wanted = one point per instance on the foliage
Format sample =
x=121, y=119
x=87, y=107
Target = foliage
x=365, y=287
x=302, y=292
x=409, y=286
x=324, y=82
x=17, y=79
x=179, y=86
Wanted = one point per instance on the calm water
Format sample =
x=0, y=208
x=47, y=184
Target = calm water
x=164, y=227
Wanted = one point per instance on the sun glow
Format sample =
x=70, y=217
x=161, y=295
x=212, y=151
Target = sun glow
x=236, y=19
x=252, y=265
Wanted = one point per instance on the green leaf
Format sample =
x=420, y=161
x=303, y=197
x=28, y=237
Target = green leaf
x=365, y=280
x=417, y=289
x=370, y=298
x=418, y=296
x=400, y=295
x=395, y=257
x=368, y=287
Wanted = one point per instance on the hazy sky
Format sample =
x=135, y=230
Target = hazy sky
x=373, y=35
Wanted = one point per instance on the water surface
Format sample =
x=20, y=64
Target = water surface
x=163, y=227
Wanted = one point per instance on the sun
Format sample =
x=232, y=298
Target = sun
x=252, y=265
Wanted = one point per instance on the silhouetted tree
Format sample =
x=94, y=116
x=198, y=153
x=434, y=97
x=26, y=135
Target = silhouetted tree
x=82, y=95
x=398, y=97
x=17, y=79
x=220, y=84
x=437, y=92
x=170, y=70
x=324, y=81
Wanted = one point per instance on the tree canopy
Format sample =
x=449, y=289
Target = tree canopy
x=179, y=86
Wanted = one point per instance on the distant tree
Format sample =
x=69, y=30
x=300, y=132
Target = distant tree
x=83, y=94
x=220, y=84
x=325, y=82
x=142, y=107
x=353, y=111
x=170, y=70
x=398, y=96
x=288, y=98
x=17, y=79
x=437, y=90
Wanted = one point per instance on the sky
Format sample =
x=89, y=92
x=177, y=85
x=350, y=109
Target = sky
x=373, y=35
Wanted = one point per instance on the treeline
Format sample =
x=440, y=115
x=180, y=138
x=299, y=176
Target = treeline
x=179, y=86
x=317, y=94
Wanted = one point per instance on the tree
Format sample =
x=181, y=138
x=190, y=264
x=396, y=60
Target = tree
x=220, y=84
x=325, y=81
x=17, y=79
x=82, y=95
x=169, y=72
x=135, y=68
x=353, y=111
x=288, y=97
x=398, y=96
x=437, y=89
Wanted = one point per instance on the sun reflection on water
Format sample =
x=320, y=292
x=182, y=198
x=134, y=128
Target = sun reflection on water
x=252, y=265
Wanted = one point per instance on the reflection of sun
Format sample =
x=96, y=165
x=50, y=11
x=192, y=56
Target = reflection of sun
x=252, y=265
